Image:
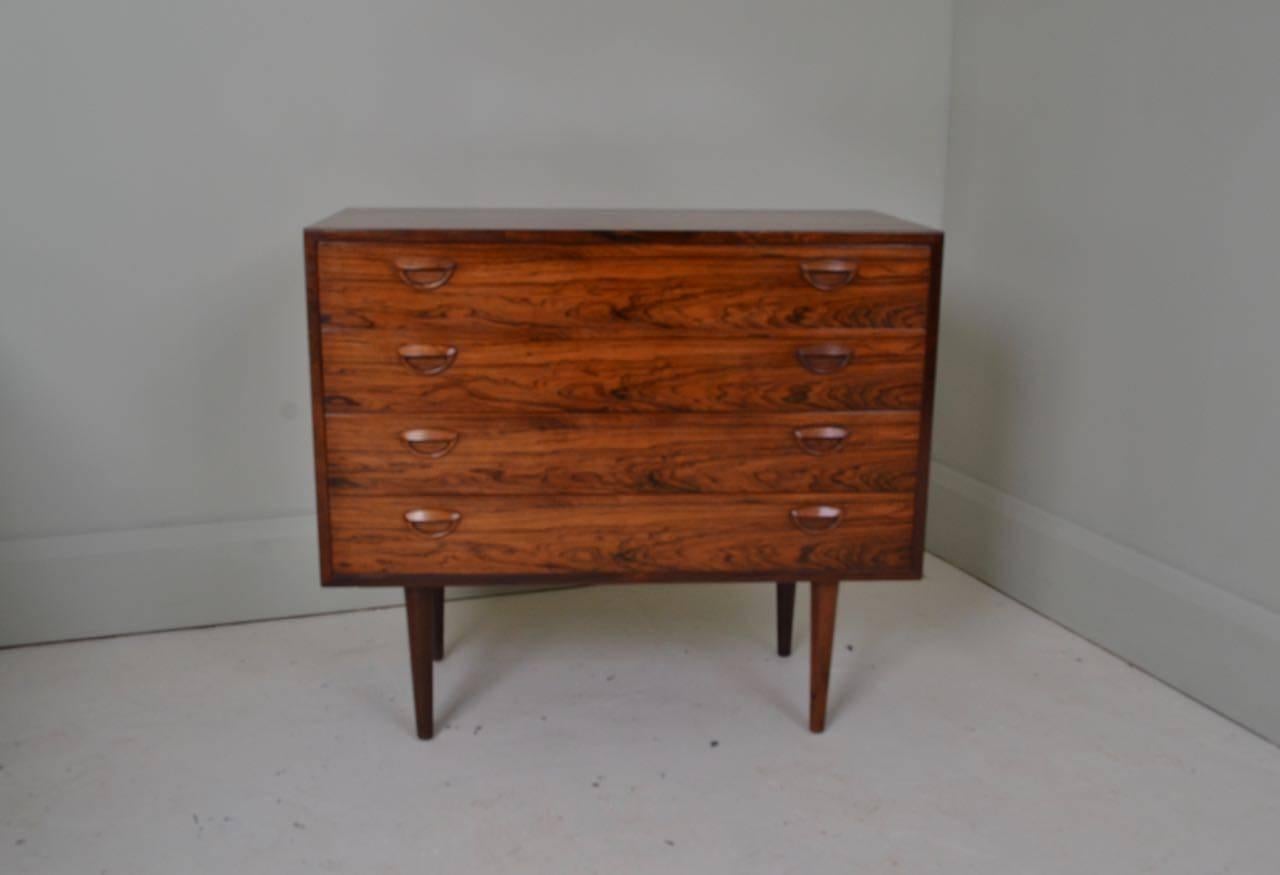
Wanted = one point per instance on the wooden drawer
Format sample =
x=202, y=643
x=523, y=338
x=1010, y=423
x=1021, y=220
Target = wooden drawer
x=602, y=454
x=645, y=536
x=426, y=372
x=622, y=289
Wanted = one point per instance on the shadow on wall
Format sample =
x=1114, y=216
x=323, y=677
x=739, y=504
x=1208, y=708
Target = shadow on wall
x=976, y=382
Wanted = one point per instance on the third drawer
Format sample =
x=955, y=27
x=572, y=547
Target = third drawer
x=872, y=451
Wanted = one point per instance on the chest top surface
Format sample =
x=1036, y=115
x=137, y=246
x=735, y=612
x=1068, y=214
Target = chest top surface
x=588, y=225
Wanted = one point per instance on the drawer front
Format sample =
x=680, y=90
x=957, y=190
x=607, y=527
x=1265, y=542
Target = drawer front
x=856, y=535
x=427, y=372
x=603, y=454
x=622, y=289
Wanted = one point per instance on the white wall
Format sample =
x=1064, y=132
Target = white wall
x=1109, y=402
x=160, y=159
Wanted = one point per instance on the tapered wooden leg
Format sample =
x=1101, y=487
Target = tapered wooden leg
x=822, y=629
x=421, y=608
x=786, y=611
x=437, y=642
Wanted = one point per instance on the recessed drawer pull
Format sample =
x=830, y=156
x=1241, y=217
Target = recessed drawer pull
x=824, y=358
x=433, y=443
x=428, y=360
x=819, y=518
x=819, y=440
x=827, y=276
x=427, y=274
x=433, y=523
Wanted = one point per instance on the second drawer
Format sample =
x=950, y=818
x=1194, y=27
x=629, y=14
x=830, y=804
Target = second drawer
x=369, y=371
x=608, y=454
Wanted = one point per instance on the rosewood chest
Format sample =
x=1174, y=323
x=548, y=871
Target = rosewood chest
x=513, y=396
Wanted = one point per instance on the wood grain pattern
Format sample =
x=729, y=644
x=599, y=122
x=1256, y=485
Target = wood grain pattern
x=505, y=396
x=926, y=408
x=603, y=454
x=622, y=289
x=364, y=373
x=635, y=536
x=664, y=317
x=320, y=455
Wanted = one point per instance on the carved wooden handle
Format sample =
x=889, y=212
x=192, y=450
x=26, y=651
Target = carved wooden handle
x=823, y=358
x=827, y=276
x=433, y=523
x=819, y=518
x=426, y=273
x=433, y=443
x=818, y=440
x=428, y=360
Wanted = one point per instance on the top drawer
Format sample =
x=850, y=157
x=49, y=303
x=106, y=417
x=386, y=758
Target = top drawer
x=622, y=288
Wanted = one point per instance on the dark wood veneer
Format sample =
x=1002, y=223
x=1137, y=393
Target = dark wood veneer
x=624, y=289
x=634, y=535
x=367, y=372
x=506, y=225
x=606, y=454
x=506, y=396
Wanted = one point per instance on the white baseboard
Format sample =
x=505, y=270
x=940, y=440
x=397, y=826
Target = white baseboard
x=113, y=583
x=1214, y=646
x=172, y=577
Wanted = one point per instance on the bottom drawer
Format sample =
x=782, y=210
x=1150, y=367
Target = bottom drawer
x=857, y=535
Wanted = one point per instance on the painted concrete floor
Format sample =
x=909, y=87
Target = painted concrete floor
x=626, y=729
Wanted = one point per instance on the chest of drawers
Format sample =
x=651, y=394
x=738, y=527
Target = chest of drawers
x=514, y=396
